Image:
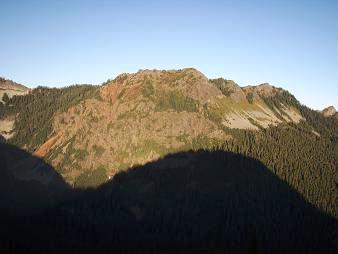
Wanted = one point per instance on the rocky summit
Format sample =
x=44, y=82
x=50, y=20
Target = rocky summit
x=329, y=111
x=140, y=117
x=11, y=88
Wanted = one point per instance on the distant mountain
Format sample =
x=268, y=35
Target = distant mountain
x=11, y=88
x=329, y=111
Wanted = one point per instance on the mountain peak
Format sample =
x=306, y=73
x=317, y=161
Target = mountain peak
x=329, y=111
x=264, y=90
x=189, y=81
x=11, y=88
x=11, y=85
x=230, y=88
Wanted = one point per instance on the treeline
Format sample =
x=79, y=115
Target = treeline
x=297, y=156
x=326, y=126
x=34, y=112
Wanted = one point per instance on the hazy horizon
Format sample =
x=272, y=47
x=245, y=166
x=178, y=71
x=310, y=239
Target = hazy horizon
x=287, y=44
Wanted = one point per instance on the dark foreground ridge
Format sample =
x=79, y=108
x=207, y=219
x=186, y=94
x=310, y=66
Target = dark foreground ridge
x=189, y=202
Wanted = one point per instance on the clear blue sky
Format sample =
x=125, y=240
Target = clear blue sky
x=291, y=44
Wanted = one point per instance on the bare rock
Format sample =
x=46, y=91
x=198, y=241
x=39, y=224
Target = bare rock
x=329, y=111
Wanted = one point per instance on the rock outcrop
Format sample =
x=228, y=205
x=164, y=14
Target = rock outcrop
x=329, y=111
x=11, y=88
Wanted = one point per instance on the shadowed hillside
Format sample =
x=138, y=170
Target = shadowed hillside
x=27, y=183
x=196, y=202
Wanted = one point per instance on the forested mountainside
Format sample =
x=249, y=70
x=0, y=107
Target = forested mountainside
x=264, y=180
x=197, y=201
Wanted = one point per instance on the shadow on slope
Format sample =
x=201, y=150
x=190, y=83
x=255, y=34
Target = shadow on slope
x=27, y=183
x=189, y=202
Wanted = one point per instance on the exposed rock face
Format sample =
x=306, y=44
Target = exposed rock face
x=141, y=117
x=145, y=115
x=230, y=88
x=264, y=90
x=329, y=111
x=267, y=90
x=237, y=93
x=189, y=81
x=11, y=88
x=6, y=128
